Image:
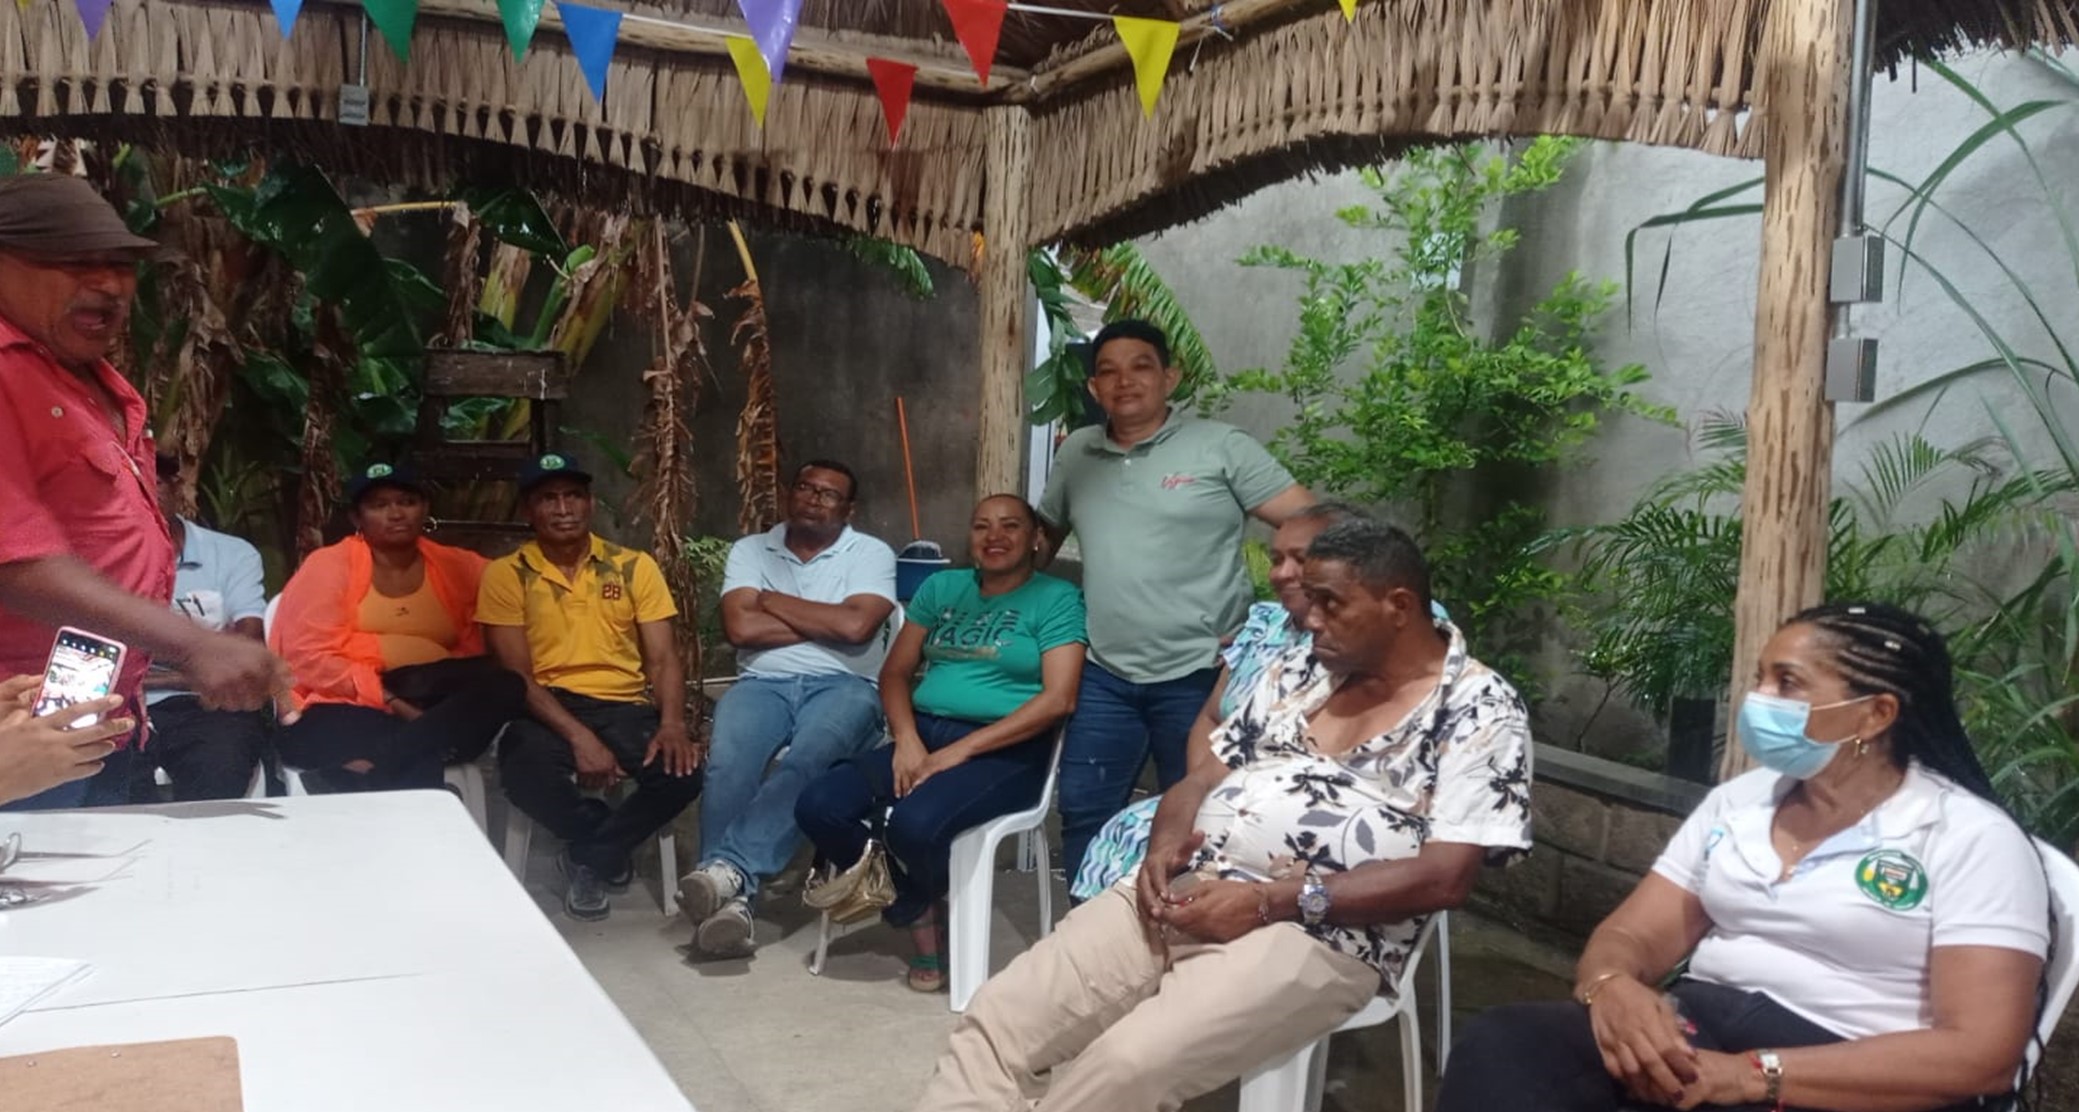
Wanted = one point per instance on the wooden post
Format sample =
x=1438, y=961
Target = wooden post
x=1802, y=100
x=1006, y=300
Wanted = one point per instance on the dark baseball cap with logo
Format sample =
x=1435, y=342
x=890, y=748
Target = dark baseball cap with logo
x=373, y=475
x=552, y=465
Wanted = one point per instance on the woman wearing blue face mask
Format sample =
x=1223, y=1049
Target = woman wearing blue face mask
x=1865, y=926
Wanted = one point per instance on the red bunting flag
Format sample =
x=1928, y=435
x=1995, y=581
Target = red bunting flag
x=893, y=82
x=977, y=23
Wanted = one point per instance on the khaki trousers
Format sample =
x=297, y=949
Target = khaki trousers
x=1123, y=1032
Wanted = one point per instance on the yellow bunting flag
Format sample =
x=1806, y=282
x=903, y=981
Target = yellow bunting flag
x=750, y=69
x=23, y=4
x=1349, y=10
x=1149, y=43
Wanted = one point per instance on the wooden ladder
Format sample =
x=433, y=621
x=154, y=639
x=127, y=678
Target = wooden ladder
x=542, y=378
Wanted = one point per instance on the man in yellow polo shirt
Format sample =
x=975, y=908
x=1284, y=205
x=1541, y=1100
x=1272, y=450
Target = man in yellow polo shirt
x=588, y=623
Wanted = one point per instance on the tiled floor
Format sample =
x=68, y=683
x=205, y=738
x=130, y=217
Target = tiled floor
x=762, y=1035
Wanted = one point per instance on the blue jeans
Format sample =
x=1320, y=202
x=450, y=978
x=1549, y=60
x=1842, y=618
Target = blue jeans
x=834, y=811
x=747, y=818
x=1115, y=725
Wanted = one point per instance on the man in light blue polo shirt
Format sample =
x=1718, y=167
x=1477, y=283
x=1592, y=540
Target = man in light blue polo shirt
x=1157, y=501
x=207, y=754
x=807, y=606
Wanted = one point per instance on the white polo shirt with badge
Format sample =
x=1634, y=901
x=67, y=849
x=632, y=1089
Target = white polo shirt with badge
x=854, y=564
x=216, y=582
x=1845, y=941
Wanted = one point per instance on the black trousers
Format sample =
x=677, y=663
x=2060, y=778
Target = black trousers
x=208, y=754
x=539, y=773
x=465, y=702
x=1542, y=1057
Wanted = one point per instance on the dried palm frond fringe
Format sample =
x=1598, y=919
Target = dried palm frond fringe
x=673, y=134
x=665, y=495
x=758, y=426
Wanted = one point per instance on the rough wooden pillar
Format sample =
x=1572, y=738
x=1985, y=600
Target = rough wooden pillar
x=1006, y=300
x=1802, y=104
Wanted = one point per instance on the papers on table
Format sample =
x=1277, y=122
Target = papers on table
x=24, y=981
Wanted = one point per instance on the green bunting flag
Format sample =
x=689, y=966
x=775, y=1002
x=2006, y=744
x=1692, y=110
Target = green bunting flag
x=520, y=18
x=394, y=18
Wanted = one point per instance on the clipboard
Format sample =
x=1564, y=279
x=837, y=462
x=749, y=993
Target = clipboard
x=184, y=1075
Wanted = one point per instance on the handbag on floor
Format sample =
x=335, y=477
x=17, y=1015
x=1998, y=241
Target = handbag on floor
x=861, y=891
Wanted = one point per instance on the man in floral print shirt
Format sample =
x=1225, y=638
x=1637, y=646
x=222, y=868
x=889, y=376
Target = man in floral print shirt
x=1358, y=790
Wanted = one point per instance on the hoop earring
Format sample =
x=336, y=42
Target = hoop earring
x=432, y=524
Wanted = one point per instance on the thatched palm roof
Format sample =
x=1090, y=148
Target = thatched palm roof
x=1295, y=88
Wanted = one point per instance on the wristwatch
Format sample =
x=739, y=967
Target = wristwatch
x=1771, y=1066
x=1313, y=900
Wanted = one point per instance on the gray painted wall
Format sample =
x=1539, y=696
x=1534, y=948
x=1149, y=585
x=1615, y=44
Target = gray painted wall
x=845, y=341
x=1698, y=343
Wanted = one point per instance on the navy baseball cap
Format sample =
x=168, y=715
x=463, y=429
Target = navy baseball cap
x=373, y=475
x=552, y=465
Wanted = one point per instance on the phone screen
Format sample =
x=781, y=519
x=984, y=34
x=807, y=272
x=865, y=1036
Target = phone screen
x=82, y=667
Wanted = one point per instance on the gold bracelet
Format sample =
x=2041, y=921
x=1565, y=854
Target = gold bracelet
x=1587, y=997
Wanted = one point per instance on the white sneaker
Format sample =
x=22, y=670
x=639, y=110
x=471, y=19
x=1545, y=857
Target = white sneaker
x=703, y=891
x=728, y=932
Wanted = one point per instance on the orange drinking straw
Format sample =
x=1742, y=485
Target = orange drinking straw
x=909, y=474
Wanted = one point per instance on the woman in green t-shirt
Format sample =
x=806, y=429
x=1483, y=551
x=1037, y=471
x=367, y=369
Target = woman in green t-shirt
x=1001, y=647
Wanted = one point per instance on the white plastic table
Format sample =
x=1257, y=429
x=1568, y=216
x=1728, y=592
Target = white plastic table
x=368, y=952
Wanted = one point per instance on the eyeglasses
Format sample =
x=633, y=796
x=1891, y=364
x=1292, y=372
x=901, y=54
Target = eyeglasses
x=822, y=495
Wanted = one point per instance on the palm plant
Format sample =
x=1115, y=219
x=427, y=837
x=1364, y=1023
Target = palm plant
x=2016, y=642
x=1126, y=284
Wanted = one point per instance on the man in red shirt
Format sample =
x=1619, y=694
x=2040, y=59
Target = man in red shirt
x=82, y=542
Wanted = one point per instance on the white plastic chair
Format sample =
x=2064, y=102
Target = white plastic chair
x=519, y=842
x=1295, y=1084
x=970, y=901
x=2063, y=974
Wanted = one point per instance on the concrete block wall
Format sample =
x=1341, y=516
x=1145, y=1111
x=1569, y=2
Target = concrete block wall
x=1598, y=827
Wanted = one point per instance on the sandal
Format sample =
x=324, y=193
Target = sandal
x=927, y=973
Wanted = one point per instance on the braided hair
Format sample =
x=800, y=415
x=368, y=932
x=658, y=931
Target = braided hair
x=1881, y=649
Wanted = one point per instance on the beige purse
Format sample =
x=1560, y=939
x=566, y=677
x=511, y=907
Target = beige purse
x=861, y=891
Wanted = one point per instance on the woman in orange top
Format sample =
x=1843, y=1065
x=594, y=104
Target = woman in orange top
x=381, y=632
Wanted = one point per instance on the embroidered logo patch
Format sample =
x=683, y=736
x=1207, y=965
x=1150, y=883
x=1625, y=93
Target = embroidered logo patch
x=1894, y=879
x=610, y=590
x=379, y=470
x=1176, y=480
x=552, y=462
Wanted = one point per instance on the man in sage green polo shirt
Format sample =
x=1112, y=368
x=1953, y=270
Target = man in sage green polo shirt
x=1157, y=501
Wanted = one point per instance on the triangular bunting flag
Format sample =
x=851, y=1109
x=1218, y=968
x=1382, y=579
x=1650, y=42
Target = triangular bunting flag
x=772, y=27
x=394, y=18
x=285, y=13
x=23, y=5
x=977, y=23
x=92, y=14
x=1149, y=43
x=520, y=17
x=893, y=82
x=591, y=32
x=750, y=69
x=1349, y=9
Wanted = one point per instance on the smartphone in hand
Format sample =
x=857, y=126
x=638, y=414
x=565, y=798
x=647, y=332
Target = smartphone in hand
x=83, y=666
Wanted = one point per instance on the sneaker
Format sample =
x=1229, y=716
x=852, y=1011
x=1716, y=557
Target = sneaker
x=584, y=897
x=620, y=882
x=703, y=891
x=727, y=933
